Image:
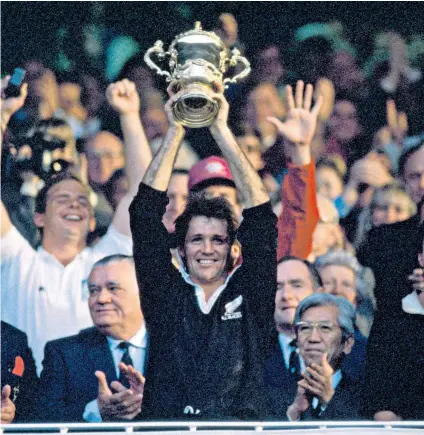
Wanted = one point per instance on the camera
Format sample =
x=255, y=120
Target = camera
x=15, y=82
x=42, y=142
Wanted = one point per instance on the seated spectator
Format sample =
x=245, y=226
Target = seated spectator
x=296, y=280
x=19, y=379
x=389, y=204
x=39, y=287
x=95, y=376
x=342, y=275
x=324, y=326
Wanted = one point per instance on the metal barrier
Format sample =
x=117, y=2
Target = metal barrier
x=223, y=428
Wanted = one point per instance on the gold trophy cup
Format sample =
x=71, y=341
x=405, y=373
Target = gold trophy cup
x=197, y=58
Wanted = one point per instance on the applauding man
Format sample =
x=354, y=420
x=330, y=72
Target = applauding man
x=324, y=326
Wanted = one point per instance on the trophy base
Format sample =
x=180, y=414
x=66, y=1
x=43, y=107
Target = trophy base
x=195, y=109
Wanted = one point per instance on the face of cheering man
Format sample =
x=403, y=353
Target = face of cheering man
x=68, y=213
x=206, y=251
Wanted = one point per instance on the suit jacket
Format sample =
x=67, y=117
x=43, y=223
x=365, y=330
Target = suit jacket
x=281, y=386
x=67, y=381
x=18, y=370
x=281, y=391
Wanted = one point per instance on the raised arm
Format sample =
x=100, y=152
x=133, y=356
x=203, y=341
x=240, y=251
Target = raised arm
x=123, y=97
x=300, y=215
x=8, y=107
x=245, y=176
x=160, y=169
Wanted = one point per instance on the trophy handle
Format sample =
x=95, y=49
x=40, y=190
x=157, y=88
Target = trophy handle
x=235, y=59
x=158, y=49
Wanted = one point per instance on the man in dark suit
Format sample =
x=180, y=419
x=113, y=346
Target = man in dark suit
x=18, y=376
x=324, y=326
x=74, y=383
x=296, y=280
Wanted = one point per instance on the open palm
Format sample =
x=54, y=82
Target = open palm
x=300, y=124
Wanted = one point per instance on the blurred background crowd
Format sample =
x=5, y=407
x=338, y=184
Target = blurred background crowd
x=366, y=59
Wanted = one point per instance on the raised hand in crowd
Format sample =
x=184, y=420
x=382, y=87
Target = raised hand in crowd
x=370, y=171
x=397, y=122
x=122, y=404
x=396, y=128
x=123, y=97
x=10, y=105
x=300, y=124
x=7, y=406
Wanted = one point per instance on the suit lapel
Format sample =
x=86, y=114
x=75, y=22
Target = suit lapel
x=100, y=355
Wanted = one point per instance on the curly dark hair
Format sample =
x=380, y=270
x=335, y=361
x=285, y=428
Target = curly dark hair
x=217, y=208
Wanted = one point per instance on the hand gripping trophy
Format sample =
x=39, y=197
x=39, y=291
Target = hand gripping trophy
x=197, y=59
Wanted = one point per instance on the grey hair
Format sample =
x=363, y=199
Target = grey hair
x=345, y=310
x=116, y=258
x=364, y=283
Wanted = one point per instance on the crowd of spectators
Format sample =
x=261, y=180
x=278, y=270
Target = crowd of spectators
x=334, y=141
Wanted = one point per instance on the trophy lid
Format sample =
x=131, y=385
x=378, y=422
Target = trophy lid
x=199, y=36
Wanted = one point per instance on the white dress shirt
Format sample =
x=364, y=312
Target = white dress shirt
x=44, y=298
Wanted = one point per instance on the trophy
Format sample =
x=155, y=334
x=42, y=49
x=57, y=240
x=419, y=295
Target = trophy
x=197, y=58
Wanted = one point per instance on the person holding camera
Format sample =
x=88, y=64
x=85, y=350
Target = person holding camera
x=44, y=291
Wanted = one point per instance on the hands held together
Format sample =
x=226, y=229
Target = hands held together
x=122, y=403
x=316, y=383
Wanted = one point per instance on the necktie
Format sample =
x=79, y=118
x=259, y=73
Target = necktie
x=294, y=362
x=126, y=359
x=316, y=412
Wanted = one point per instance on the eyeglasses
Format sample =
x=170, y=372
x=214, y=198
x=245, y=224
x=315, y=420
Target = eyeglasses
x=306, y=328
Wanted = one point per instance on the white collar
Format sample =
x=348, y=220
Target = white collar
x=412, y=305
x=137, y=340
x=200, y=293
